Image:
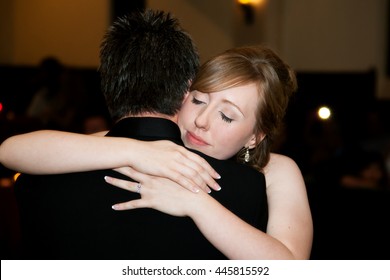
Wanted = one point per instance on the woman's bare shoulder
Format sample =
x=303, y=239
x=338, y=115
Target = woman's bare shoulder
x=280, y=161
x=281, y=168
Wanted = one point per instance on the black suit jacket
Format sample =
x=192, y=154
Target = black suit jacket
x=69, y=216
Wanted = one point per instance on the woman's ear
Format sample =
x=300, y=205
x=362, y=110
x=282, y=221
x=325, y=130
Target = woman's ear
x=260, y=137
x=251, y=143
x=255, y=140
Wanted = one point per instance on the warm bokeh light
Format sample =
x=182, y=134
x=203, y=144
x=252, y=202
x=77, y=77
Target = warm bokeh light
x=16, y=176
x=6, y=182
x=248, y=2
x=1, y=106
x=324, y=113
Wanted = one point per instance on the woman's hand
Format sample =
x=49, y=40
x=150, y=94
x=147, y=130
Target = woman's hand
x=158, y=193
x=168, y=160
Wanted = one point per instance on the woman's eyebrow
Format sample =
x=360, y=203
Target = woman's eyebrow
x=234, y=105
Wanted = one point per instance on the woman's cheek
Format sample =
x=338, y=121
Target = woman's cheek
x=184, y=118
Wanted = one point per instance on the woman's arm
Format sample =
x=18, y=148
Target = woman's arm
x=290, y=218
x=289, y=230
x=50, y=152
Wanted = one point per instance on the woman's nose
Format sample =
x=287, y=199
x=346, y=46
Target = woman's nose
x=202, y=121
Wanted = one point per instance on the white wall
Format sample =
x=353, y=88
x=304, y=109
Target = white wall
x=6, y=31
x=68, y=29
x=336, y=35
x=312, y=35
x=333, y=35
x=210, y=23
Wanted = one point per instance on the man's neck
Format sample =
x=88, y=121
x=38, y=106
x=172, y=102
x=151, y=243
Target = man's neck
x=154, y=115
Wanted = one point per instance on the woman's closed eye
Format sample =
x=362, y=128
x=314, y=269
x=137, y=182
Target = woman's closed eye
x=225, y=118
x=196, y=101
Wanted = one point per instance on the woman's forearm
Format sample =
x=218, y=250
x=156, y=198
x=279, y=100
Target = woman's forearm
x=234, y=237
x=228, y=233
x=52, y=152
x=49, y=152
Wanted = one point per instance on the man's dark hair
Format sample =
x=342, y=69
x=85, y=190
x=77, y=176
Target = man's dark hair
x=147, y=64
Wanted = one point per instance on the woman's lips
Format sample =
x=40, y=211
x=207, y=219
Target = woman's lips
x=195, y=140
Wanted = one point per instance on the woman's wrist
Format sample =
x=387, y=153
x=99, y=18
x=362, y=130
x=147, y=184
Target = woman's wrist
x=198, y=205
x=132, y=152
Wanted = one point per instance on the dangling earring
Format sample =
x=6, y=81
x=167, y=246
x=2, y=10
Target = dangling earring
x=247, y=156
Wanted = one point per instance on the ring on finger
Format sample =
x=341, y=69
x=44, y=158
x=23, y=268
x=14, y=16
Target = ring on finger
x=139, y=188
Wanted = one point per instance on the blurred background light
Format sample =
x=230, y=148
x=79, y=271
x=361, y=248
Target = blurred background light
x=324, y=113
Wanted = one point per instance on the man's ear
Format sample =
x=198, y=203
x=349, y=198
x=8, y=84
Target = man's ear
x=185, y=97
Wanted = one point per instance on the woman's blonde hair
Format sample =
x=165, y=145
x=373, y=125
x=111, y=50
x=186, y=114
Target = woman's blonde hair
x=275, y=81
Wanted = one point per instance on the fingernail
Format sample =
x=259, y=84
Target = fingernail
x=208, y=191
x=114, y=207
x=218, y=176
x=195, y=190
x=218, y=187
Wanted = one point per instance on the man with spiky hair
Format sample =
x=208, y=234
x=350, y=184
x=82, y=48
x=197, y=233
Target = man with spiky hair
x=147, y=65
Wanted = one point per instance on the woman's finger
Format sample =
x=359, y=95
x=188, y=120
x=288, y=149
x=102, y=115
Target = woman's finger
x=174, y=175
x=127, y=171
x=203, y=163
x=124, y=184
x=174, y=158
x=132, y=204
x=201, y=175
